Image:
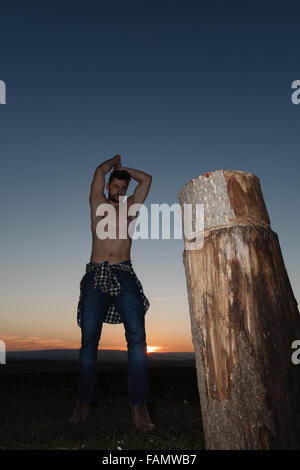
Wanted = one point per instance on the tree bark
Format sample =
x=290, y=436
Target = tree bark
x=244, y=318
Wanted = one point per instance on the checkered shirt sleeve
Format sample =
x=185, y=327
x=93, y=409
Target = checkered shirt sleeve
x=106, y=280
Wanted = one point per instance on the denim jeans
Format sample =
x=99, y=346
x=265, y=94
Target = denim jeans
x=130, y=307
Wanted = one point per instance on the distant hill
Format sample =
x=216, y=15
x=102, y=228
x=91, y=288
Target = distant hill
x=105, y=355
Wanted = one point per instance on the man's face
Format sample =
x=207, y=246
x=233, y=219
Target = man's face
x=115, y=189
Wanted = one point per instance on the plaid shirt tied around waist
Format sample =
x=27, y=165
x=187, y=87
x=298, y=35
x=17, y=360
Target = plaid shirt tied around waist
x=106, y=280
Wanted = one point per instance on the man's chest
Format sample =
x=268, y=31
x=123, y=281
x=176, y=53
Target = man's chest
x=112, y=224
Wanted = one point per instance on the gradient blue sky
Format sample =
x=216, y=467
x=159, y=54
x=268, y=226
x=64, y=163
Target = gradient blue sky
x=178, y=88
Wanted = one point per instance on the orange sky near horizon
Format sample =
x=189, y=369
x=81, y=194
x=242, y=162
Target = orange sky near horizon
x=37, y=343
x=15, y=343
x=161, y=334
x=37, y=320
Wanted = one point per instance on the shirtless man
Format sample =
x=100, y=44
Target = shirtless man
x=114, y=250
x=111, y=292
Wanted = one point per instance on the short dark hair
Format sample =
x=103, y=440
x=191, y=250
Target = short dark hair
x=120, y=175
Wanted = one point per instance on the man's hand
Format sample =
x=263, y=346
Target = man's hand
x=117, y=162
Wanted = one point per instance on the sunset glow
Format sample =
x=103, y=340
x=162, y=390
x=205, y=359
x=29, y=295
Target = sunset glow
x=38, y=343
x=151, y=349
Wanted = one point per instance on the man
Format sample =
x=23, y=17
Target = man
x=110, y=290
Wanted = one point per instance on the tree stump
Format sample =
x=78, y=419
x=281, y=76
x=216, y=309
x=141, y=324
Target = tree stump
x=244, y=318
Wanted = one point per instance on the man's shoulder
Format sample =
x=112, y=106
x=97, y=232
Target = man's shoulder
x=97, y=200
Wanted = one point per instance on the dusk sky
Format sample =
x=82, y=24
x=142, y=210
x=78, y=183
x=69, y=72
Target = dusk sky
x=178, y=88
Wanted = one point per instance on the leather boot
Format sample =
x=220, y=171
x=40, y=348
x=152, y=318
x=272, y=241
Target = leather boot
x=141, y=419
x=80, y=413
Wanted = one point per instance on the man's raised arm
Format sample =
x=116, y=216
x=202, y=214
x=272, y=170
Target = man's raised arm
x=142, y=189
x=98, y=183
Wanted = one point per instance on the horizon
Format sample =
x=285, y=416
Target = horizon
x=99, y=350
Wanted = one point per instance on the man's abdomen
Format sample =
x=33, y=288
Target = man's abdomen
x=113, y=251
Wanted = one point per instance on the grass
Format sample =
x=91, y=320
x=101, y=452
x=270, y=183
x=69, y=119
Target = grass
x=36, y=404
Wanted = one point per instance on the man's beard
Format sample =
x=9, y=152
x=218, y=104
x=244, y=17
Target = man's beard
x=114, y=198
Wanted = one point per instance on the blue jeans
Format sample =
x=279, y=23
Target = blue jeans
x=130, y=307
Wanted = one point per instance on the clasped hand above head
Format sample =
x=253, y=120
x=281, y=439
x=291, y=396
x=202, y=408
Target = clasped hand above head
x=117, y=162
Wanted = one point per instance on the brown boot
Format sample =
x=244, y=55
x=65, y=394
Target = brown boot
x=80, y=413
x=141, y=419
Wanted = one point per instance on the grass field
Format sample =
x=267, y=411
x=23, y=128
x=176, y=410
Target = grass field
x=37, y=399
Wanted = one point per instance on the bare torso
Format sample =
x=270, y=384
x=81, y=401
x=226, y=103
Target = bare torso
x=111, y=250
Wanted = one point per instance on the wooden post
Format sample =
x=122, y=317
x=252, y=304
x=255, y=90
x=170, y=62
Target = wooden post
x=244, y=318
